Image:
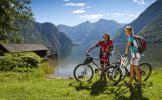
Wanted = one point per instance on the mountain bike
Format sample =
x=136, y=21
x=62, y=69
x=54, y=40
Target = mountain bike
x=85, y=72
x=124, y=66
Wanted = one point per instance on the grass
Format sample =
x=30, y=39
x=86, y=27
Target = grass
x=32, y=86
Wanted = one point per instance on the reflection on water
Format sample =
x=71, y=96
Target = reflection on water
x=64, y=66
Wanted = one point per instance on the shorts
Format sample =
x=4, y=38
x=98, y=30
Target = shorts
x=135, y=58
x=104, y=60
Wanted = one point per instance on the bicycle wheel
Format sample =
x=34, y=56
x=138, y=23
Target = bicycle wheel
x=83, y=72
x=114, y=74
x=117, y=64
x=145, y=71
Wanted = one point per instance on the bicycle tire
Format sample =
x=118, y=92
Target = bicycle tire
x=110, y=76
x=80, y=65
x=149, y=74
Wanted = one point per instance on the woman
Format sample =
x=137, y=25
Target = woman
x=135, y=55
x=106, y=46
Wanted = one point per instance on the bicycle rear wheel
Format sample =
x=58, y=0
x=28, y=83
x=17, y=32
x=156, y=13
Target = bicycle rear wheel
x=83, y=72
x=114, y=74
x=145, y=71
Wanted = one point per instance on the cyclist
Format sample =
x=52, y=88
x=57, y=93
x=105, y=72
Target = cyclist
x=106, y=46
x=135, y=56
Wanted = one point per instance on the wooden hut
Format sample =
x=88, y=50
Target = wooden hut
x=39, y=49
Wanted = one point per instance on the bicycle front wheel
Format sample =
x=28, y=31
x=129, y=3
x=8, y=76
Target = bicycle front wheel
x=83, y=72
x=145, y=71
x=114, y=74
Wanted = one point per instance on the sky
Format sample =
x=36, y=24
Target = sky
x=74, y=12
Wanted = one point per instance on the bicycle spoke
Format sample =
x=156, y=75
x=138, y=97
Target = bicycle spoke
x=83, y=73
x=114, y=74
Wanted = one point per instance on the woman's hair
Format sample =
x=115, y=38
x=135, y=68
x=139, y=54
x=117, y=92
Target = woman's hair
x=106, y=35
x=130, y=28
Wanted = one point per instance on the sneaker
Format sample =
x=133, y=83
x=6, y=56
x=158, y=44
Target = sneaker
x=128, y=85
x=138, y=85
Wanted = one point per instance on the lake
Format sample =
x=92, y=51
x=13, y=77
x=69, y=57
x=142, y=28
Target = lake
x=64, y=66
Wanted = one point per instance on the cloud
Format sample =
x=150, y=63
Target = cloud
x=153, y=1
x=92, y=16
x=75, y=4
x=139, y=2
x=66, y=0
x=115, y=15
x=119, y=15
x=79, y=11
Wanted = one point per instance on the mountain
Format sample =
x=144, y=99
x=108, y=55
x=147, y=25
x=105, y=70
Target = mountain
x=153, y=34
x=148, y=25
x=45, y=33
x=153, y=31
x=143, y=20
x=88, y=31
x=77, y=33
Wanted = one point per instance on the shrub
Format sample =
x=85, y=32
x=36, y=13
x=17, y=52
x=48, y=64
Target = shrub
x=11, y=61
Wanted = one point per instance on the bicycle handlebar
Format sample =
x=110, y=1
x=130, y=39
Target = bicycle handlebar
x=115, y=53
x=89, y=55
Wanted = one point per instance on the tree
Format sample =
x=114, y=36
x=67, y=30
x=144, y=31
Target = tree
x=13, y=13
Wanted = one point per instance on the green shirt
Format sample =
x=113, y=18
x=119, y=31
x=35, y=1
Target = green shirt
x=132, y=40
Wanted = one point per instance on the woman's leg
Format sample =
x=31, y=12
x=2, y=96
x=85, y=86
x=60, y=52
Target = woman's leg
x=136, y=67
x=131, y=73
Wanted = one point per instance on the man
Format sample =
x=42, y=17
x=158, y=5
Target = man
x=106, y=46
x=135, y=56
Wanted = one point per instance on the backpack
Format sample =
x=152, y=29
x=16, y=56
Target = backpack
x=141, y=44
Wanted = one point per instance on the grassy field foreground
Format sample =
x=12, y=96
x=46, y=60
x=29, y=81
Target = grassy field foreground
x=29, y=86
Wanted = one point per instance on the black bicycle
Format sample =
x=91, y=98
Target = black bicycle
x=124, y=66
x=85, y=72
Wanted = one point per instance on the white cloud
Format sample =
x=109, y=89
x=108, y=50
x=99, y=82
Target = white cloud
x=66, y=0
x=115, y=15
x=153, y=1
x=80, y=11
x=119, y=15
x=75, y=4
x=131, y=15
x=92, y=16
x=139, y=2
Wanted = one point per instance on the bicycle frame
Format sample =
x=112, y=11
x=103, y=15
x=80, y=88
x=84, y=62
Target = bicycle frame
x=124, y=62
x=91, y=60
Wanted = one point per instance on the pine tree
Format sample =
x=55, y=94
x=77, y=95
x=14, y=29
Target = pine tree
x=13, y=13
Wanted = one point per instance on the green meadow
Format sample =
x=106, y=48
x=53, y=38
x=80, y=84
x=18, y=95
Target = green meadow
x=35, y=86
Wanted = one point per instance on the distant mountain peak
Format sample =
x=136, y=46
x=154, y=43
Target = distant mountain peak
x=87, y=22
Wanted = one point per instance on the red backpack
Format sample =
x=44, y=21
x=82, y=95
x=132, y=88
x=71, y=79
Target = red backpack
x=141, y=43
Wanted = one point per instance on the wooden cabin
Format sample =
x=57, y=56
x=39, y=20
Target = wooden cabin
x=39, y=49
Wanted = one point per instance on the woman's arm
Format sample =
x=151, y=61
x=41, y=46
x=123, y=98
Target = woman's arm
x=90, y=49
x=127, y=48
